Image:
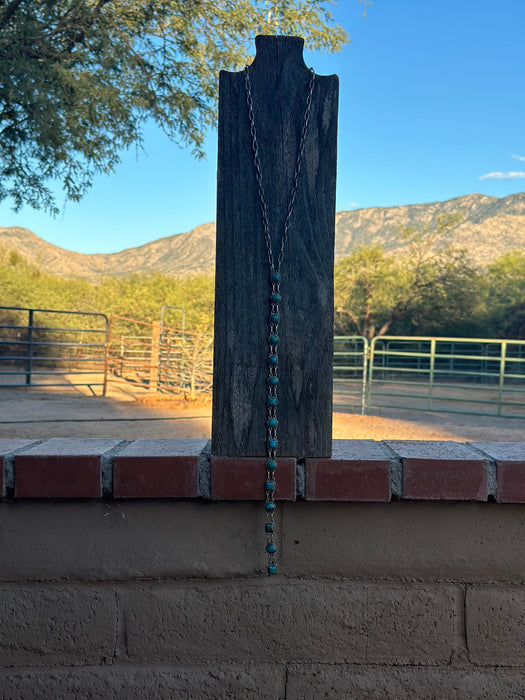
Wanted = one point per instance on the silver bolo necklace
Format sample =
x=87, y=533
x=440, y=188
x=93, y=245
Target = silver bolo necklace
x=274, y=316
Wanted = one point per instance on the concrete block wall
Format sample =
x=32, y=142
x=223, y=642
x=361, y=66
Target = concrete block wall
x=136, y=570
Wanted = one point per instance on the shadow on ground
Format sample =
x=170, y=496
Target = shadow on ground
x=129, y=413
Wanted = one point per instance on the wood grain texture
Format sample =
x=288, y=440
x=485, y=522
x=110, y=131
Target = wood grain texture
x=279, y=81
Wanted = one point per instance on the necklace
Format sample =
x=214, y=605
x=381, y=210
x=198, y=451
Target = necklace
x=274, y=316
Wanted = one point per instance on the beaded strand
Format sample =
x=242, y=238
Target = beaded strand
x=274, y=318
x=271, y=421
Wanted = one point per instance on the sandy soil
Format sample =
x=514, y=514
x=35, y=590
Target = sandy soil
x=129, y=413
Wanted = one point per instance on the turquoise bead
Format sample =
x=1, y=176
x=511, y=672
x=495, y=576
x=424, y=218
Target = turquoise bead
x=268, y=527
x=270, y=485
x=270, y=507
x=274, y=318
x=273, y=340
x=271, y=548
x=271, y=464
x=273, y=423
x=276, y=298
x=272, y=569
x=273, y=381
x=272, y=360
x=272, y=401
x=276, y=277
x=272, y=444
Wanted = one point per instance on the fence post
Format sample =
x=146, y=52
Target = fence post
x=502, y=368
x=109, y=328
x=279, y=86
x=154, y=357
x=29, y=368
x=431, y=371
x=370, y=373
x=366, y=351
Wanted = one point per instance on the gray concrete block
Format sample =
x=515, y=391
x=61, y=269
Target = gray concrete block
x=9, y=446
x=496, y=625
x=280, y=621
x=412, y=624
x=73, y=447
x=336, y=682
x=245, y=621
x=404, y=540
x=86, y=541
x=244, y=682
x=46, y=625
x=503, y=451
x=164, y=447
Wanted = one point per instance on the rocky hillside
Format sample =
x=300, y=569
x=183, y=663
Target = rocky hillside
x=182, y=254
x=490, y=227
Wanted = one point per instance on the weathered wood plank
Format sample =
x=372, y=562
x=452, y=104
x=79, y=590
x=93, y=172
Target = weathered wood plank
x=279, y=80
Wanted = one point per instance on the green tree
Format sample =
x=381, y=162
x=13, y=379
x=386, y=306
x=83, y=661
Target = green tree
x=371, y=289
x=429, y=288
x=79, y=78
x=506, y=297
x=137, y=297
x=452, y=302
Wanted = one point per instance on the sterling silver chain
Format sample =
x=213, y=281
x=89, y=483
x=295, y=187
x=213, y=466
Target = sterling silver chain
x=274, y=318
x=258, y=172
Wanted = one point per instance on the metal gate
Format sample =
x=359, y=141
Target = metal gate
x=52, y=348
x=480, y=376
x=155, y=357
x=350, y=372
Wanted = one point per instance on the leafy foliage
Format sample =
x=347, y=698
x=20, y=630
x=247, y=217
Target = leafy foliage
x=506, y=295
x=423, y=292
x=79, y=78
x=136, y=297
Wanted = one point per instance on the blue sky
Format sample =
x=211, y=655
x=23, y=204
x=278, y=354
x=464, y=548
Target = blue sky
x=432, y=106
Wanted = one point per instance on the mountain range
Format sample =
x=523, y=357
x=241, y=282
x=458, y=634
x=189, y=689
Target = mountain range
x=490, y=226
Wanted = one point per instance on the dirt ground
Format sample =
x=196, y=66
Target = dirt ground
x=130, y=413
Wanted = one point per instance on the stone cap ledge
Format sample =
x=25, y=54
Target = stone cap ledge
x=357, y=471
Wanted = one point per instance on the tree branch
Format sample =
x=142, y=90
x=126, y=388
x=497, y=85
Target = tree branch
x=354, y=319
x=9, y=12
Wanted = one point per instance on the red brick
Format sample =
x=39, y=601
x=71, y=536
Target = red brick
x=510, y=466
x=435, y=470
x=166, y=468
x=359, y=470
x=242, y=478
x=9, y=446
x=62, y=468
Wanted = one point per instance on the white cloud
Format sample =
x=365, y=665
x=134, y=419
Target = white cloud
x=353, y=204
x=503, y=176
x=519, y=157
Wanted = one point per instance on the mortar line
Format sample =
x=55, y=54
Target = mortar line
x=286, y=669
x=117, y=624
x=465, y=635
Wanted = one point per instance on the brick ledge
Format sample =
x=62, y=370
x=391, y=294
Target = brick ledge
x=358, y=471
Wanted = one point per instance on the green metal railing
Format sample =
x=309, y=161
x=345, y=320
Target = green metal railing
x=52, y=348
x=350, y=372
x=480, y=376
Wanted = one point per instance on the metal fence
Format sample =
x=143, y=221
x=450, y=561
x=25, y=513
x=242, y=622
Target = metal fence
x=481, y=376
x=351, y=354
x=153, y=356
x=50, y=348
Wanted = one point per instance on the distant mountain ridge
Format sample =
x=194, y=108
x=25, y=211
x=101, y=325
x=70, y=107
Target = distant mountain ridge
x=491, y=226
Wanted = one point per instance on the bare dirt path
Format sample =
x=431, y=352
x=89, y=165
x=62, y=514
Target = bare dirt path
x=129, y=413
